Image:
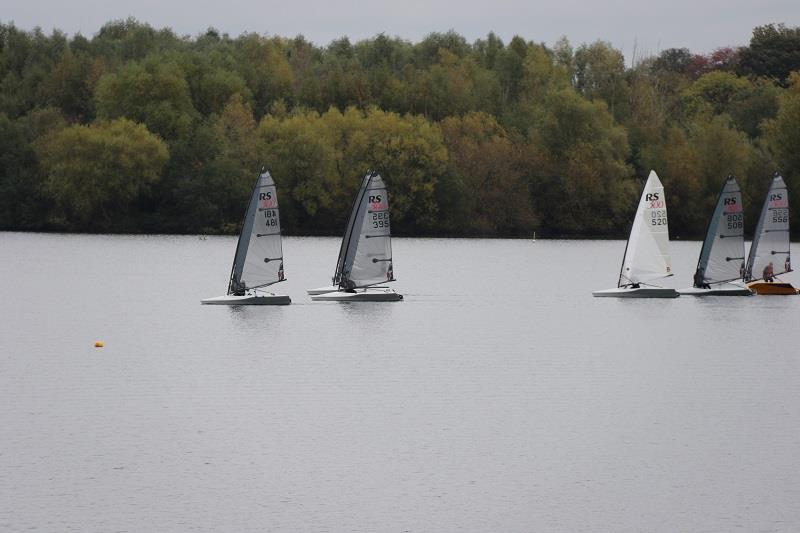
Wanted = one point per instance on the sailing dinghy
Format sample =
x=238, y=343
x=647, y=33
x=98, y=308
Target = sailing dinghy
x=365, y=257
x=646, y=256
x=337, y=273
x=258, y=262
x=720, y=268
x=769, y=254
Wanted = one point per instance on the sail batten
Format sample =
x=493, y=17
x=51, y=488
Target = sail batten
x=771, y=237
x=258, y=261
x=647, y=251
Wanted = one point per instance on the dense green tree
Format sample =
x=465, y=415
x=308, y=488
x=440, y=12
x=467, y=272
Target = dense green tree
x=715, y=91
x=485, y=188
x=93, y=173
x=673, y=60
x=774, y=52
x=153, y=92
x=265, y=68
x=565, y=128
x=22, y=204
x=600, y=74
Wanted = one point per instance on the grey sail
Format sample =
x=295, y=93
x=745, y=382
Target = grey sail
x=722, y=256
x=259, y=254
x=769, y=252
x=348, y=230
x=367, y=247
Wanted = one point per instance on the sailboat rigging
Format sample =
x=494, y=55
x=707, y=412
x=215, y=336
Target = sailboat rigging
x=646, y=256
x=258, y=260
x=365, y=256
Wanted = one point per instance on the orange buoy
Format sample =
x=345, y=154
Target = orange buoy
x=99, y=344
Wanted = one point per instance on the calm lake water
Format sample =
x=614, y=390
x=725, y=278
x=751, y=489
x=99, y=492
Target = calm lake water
x=499, y=396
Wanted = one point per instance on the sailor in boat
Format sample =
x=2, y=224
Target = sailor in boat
x=699, y=279
x=788, y=265
x=348, y=285
x=769, y=273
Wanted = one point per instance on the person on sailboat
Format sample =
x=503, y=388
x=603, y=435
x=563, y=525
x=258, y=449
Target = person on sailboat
x=348, y=284
x=699, y=279
x=238, y=289
x=769, y=273
x=787, y=266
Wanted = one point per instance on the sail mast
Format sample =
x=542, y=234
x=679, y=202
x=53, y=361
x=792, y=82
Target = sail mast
x=348, y=232
x=625, y=254
x=241, y=243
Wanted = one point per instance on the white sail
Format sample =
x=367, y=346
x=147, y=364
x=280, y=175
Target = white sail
x=722, y=256
x=647, y=254
x=368, y=246
x=770, y=248
x=259, y=254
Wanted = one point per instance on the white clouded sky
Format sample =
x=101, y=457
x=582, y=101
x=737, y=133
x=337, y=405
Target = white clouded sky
x=643, y=25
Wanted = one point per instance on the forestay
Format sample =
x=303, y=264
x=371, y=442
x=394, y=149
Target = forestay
x=769, y=252
x=647, y=253
x=367, y=247
x=722, y=255
x=259, y=254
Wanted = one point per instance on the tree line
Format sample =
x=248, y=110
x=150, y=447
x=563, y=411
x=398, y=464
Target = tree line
x=138, y=129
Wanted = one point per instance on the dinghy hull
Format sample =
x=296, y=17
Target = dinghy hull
x=330, y=288
x=323, y=290
x=775, y=288
x=717, y=291
x=249, y=299
x=641, y=292
x=371, y=294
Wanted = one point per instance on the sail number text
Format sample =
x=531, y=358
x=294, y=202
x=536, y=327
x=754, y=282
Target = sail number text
x=380, y=219
x=271, y=217
x=780, y=215
x=734, y=221
x=658, y=217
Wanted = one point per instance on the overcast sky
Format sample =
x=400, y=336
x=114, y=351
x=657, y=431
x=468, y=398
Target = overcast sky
x=641, y=25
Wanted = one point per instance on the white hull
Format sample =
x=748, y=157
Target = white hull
x=370, y=294
x=323, y=290
x=329, y=288
x=249, y=299
x=717, y=290
x=641, y=292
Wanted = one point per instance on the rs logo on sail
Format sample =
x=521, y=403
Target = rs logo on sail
x=731, y=205
x=653, y=198
x=265, y=199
